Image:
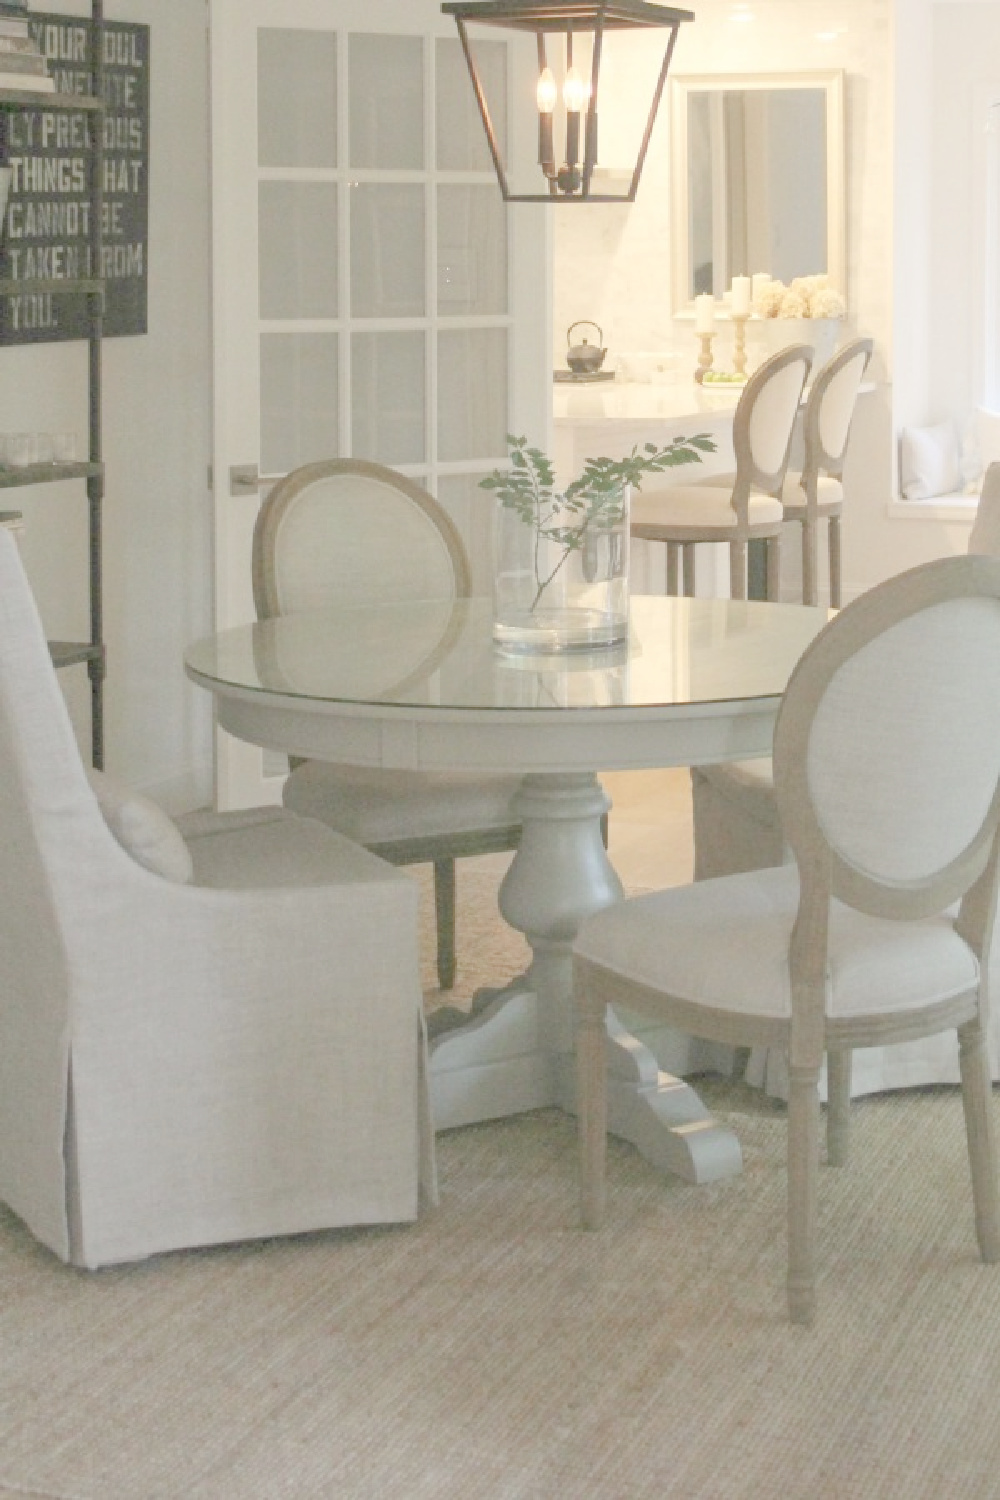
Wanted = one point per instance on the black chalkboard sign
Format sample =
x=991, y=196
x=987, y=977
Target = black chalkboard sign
x=47, y=225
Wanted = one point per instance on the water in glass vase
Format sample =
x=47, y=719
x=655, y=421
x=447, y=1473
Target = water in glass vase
x=561, y=558
x=561, y=581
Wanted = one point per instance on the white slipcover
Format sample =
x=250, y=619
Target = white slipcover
x=186, y=1064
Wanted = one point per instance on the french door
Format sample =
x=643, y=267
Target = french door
x=992, y=258
x=372, y=295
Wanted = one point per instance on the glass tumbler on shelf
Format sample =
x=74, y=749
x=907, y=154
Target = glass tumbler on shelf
x=561, y=573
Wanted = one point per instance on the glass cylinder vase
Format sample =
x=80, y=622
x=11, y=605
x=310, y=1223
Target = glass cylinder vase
x=561, y=573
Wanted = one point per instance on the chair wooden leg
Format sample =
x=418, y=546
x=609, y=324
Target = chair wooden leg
x=444, y=912
x=741, y=1058
x=803, y=1171
x=738, y=570
x=772, y=586
x=977, y=1102
x=673, y=560
x=838, y=1109
x=810, y=590
x=833, y=543
x=688, y=557
x=592, y=1107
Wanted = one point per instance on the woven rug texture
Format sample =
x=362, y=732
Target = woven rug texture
x=493, y=1351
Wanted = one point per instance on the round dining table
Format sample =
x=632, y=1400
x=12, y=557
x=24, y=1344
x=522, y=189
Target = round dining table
x=422, y=686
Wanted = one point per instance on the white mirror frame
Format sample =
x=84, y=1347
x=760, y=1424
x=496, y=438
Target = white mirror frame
x=832, y=84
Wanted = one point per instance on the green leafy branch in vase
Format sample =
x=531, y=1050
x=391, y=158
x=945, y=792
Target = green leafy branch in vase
x=592, y=504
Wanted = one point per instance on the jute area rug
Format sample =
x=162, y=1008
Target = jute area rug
x=492, y=1351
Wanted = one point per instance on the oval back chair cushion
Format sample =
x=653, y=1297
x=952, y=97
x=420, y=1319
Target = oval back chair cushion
x=903, y=755
x=352, y=534
x=837, y=402
x=772, y=418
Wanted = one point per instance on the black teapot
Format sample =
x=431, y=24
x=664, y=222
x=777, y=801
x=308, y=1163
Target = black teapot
x=584, y=358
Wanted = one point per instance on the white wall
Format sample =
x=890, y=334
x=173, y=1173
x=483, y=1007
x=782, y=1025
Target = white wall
x=947, y=56
x=157, y=431
x=613, y=263
x=966, y=77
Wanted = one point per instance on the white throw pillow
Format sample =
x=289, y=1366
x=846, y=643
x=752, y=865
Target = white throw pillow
x=143, y=829
x=929, y=462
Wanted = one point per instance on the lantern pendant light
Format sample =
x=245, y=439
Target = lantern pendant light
x=569, y=179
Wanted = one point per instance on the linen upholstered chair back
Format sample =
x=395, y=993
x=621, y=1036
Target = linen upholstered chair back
x=830, y=410
x=764, y=421
x=887, y=748
x=349, y=532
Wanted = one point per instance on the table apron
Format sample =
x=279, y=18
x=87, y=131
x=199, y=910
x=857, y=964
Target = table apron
x=504, y=740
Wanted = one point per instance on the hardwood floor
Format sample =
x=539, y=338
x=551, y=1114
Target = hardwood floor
x=650, y=839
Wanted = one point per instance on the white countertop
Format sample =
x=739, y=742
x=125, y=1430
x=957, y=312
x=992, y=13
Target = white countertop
x=673, y=399
x=670, y=399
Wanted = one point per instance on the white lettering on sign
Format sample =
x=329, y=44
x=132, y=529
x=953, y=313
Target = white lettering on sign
x=33, y=312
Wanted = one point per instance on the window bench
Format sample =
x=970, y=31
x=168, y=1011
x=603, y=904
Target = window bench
x=954, y=507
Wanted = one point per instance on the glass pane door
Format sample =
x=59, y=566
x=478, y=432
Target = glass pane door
x=384, y=264
x=372, y=297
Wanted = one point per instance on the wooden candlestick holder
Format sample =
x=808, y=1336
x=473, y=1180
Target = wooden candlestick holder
x=739, y=344
x=705, y=357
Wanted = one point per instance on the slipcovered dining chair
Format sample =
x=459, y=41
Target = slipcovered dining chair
x=817, y=492
x=346, y=531
x=858, y=943
x=747, y=505
x=203, y=1038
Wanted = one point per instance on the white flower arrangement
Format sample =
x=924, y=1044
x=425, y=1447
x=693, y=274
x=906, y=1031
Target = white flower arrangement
x=805, y=297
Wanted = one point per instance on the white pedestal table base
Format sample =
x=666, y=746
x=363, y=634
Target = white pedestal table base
x=515, y=1051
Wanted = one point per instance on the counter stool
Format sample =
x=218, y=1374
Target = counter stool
x=748, y=507
x=818, y=492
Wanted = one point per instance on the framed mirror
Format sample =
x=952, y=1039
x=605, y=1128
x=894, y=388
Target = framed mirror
x=758, y=179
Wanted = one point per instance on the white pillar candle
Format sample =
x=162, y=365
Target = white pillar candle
x=759, y=281
x=741, y=296
x=704, y=313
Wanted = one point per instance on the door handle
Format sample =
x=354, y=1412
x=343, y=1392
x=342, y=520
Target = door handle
x=243, y=479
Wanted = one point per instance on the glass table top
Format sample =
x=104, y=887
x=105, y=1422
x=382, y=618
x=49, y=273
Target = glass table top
x=441, y=654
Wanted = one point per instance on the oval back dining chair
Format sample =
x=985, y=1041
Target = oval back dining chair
x=746, y=506
x=817, y=493
x=857, y=944
x=737, y=827
x=346, y=531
